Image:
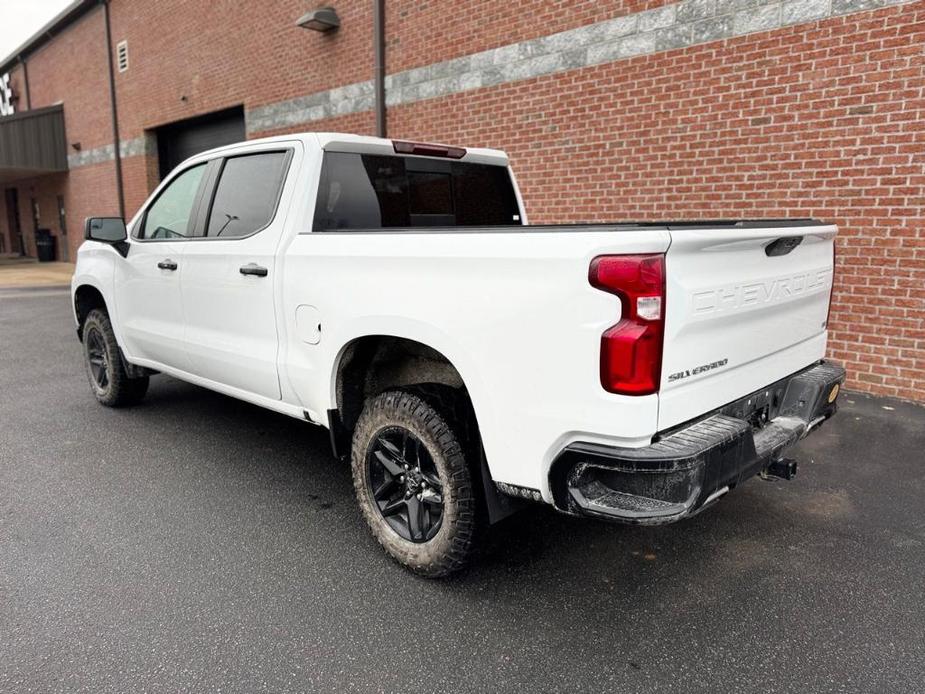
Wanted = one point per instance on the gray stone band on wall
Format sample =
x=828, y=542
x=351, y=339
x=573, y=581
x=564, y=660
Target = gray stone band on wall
x=353, y=98
x=97, y=155
x=146, y=144
x=678, y=25
x=91, y=156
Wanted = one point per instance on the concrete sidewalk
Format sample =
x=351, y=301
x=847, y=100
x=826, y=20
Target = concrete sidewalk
x=26, y=273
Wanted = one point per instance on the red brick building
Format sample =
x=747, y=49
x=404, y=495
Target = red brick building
x=610, y=110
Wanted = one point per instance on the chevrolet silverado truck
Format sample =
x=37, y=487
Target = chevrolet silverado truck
x=465, y=362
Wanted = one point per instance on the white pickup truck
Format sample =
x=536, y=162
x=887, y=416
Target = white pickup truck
x=464, y=362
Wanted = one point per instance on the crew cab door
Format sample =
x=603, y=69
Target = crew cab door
x=229, y=277
x=148, y=300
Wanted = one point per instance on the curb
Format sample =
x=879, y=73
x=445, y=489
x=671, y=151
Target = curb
x=29, y=289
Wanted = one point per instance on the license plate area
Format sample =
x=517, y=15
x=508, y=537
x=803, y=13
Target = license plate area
x=809, y=395
x=760, y=407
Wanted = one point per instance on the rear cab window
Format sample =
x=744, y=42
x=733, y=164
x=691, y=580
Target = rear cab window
x=374, y=191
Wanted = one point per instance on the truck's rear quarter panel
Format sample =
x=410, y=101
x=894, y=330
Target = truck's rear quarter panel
x=512, y=310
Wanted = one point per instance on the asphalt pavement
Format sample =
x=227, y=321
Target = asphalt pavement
x=196, y=543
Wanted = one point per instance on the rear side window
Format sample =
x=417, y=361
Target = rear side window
x=246, y=195
x=371, y=191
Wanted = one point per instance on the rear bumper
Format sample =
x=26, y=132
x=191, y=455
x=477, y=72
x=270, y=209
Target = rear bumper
x=692, y=465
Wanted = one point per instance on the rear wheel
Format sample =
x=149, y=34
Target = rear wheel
x=414, y=484
x=109, y=381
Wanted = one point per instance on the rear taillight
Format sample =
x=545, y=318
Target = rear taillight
x=631, y=351
x=427, y=149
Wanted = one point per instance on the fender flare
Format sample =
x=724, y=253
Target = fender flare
x=498, y=505
x=416, y=331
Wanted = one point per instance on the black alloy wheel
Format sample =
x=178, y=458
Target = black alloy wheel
x=413, y=478
x=98, y=359
x=405, y=484
x=106, y=369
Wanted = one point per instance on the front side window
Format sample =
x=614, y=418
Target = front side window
x=246, y=196
x=371, y=191
x=169, y=215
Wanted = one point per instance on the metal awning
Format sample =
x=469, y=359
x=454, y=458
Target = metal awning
x=32, y=143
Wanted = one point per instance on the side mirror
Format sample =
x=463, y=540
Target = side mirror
x=105, y=229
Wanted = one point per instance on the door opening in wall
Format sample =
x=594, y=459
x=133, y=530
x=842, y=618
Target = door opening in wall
x=183, y=139
x=13, y=221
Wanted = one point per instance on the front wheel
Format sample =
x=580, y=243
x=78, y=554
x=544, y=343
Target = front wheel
x=109, y=382
x=414, y=484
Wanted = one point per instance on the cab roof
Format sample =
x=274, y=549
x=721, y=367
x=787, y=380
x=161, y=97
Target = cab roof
x=364, y=144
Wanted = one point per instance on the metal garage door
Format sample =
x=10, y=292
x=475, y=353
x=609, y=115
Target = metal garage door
x=177, y=141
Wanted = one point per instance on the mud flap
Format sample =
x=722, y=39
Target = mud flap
x=499, y=505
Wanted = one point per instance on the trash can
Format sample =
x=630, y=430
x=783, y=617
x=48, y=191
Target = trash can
x=45, y=245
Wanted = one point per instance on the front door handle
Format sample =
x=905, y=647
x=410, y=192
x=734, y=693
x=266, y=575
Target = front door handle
x=253, y=269
x=167, y=264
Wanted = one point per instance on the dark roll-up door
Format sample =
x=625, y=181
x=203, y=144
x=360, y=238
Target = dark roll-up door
x=178, y=141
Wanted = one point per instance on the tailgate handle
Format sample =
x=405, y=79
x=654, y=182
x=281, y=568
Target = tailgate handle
x=782, y=246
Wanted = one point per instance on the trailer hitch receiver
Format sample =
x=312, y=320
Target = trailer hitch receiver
x=782, y=468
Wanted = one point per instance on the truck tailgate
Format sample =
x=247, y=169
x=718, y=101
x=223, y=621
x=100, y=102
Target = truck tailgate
x=746, y=305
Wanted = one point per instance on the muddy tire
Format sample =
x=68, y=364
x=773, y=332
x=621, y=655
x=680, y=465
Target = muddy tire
x=109, y=381
x=414, y=482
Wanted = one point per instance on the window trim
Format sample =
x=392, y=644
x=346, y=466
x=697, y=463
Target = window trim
x=199, y=214
x=196, y=201
x=204, y=212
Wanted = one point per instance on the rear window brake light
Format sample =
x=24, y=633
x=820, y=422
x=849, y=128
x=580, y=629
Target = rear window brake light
x=428, y=150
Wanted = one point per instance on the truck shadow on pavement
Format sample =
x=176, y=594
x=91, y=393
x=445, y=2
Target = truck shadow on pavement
x=761, y=530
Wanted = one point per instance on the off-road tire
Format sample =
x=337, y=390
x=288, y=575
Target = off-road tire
x=430, y=414
x=118, y=390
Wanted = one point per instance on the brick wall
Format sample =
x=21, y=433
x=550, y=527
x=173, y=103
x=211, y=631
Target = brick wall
x=825, y=119
x=139, y=178
x=780, y=115
x=225, y=53
x=421, y=33
x=72, y=69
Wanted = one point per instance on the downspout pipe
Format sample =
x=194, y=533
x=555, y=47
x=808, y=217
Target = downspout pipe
x=25, y=78
x=114, y=110
x=379, y=65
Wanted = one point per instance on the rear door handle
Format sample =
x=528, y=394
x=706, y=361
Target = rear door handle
x=253, y=269
x=167, y=264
